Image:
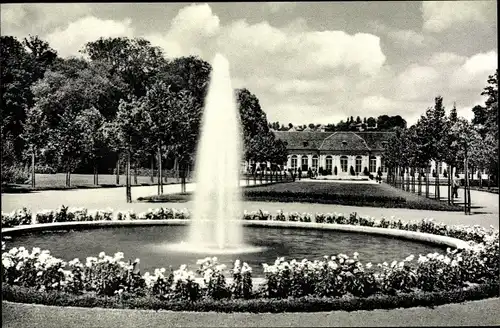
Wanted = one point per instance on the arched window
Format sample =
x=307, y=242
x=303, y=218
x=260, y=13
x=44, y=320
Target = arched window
x=343, y=163
x=358, y=164
x=304, y=163
x=294, y=162
x=329, y=164
x=373, y=164
x=315, y=162
x=440, y=168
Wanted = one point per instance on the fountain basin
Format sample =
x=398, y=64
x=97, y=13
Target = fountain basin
x=149, y=241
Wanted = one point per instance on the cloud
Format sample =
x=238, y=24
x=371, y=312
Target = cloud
x=40, y=18
x=69, y=40
x=404, y=38
x=445, y=59
x=299, y=52
x=12, y=15
x=441, y=15
x=275, y=7
x=408, y=38
x=190, y=30
x=475, y=71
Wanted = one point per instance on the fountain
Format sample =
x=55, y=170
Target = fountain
x=216, y=224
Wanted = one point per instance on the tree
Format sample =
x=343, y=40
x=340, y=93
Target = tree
x=358, y=120
x=438, y=127
x=36, y=135
x=130, y=126
x=70, y=141
x=135, y=61
x=451, y=151
x=41, y=55
x=468, y=139
x=92, y=122
x=370, y=121
x=15, y=80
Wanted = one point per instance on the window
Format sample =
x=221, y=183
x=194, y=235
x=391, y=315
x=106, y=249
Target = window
x=329, y=163
x=343, y=163
x=306, y=143
x=440, y=168
x=304, y=163
x=315, y=162
x=358, y=164
x=294, y=162
x=373, y=164
x=384, y=144
x=384, y=167
x=344, y=143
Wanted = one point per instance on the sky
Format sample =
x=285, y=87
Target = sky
x=307, y=62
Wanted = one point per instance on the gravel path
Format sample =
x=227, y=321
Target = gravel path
x=115, y=198
x=484, y=312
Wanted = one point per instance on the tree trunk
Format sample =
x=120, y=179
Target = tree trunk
x=176, y=169
x=468, y=193
x=135, y=173
x=160, y=180
x=438, y=189
x=449, y=183
x=127, y=179
x=95, y=170
x=69, y=178
x=419, y=182
x=33, y=168
x=118, y=171
x=465, y=185
x=413, y=181
x=152, y=168
x=427, y=184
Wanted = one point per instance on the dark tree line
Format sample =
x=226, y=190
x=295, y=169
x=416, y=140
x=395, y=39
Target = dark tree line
x=125, y=103
x=381, y=123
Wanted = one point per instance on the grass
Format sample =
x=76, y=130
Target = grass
x=258, y=305
x=354, y=194
x=79, y=181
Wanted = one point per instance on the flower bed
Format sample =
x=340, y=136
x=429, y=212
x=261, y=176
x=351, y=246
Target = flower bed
x=333, y=277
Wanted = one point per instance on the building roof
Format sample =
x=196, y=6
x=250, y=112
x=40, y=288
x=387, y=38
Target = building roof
x=334, y=141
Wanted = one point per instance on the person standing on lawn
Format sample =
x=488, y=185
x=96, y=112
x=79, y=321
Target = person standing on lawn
x=456, y=184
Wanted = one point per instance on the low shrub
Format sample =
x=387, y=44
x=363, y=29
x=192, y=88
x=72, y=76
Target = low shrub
x=16, y=218
x=258, y=305
x=16, y=174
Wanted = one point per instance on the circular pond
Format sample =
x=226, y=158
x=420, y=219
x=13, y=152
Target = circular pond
x=150, y=245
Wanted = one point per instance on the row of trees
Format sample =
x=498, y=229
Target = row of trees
x=125, y=102
x=462, y=145
x=381, y=123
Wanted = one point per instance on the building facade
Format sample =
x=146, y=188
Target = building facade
x=334, y=153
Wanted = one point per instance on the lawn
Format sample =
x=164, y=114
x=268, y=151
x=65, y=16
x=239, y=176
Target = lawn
x=353, y=194
x=58, y=181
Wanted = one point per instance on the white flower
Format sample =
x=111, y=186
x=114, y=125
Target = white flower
x=401, y=264
x=410, y=258
x=119, y=256
x=102, y=254
x=246, y=268
x=7, y=262
x=137, y=261
x=368, y=265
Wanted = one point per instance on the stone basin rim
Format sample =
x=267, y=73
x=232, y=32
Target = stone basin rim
x=388, y=232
